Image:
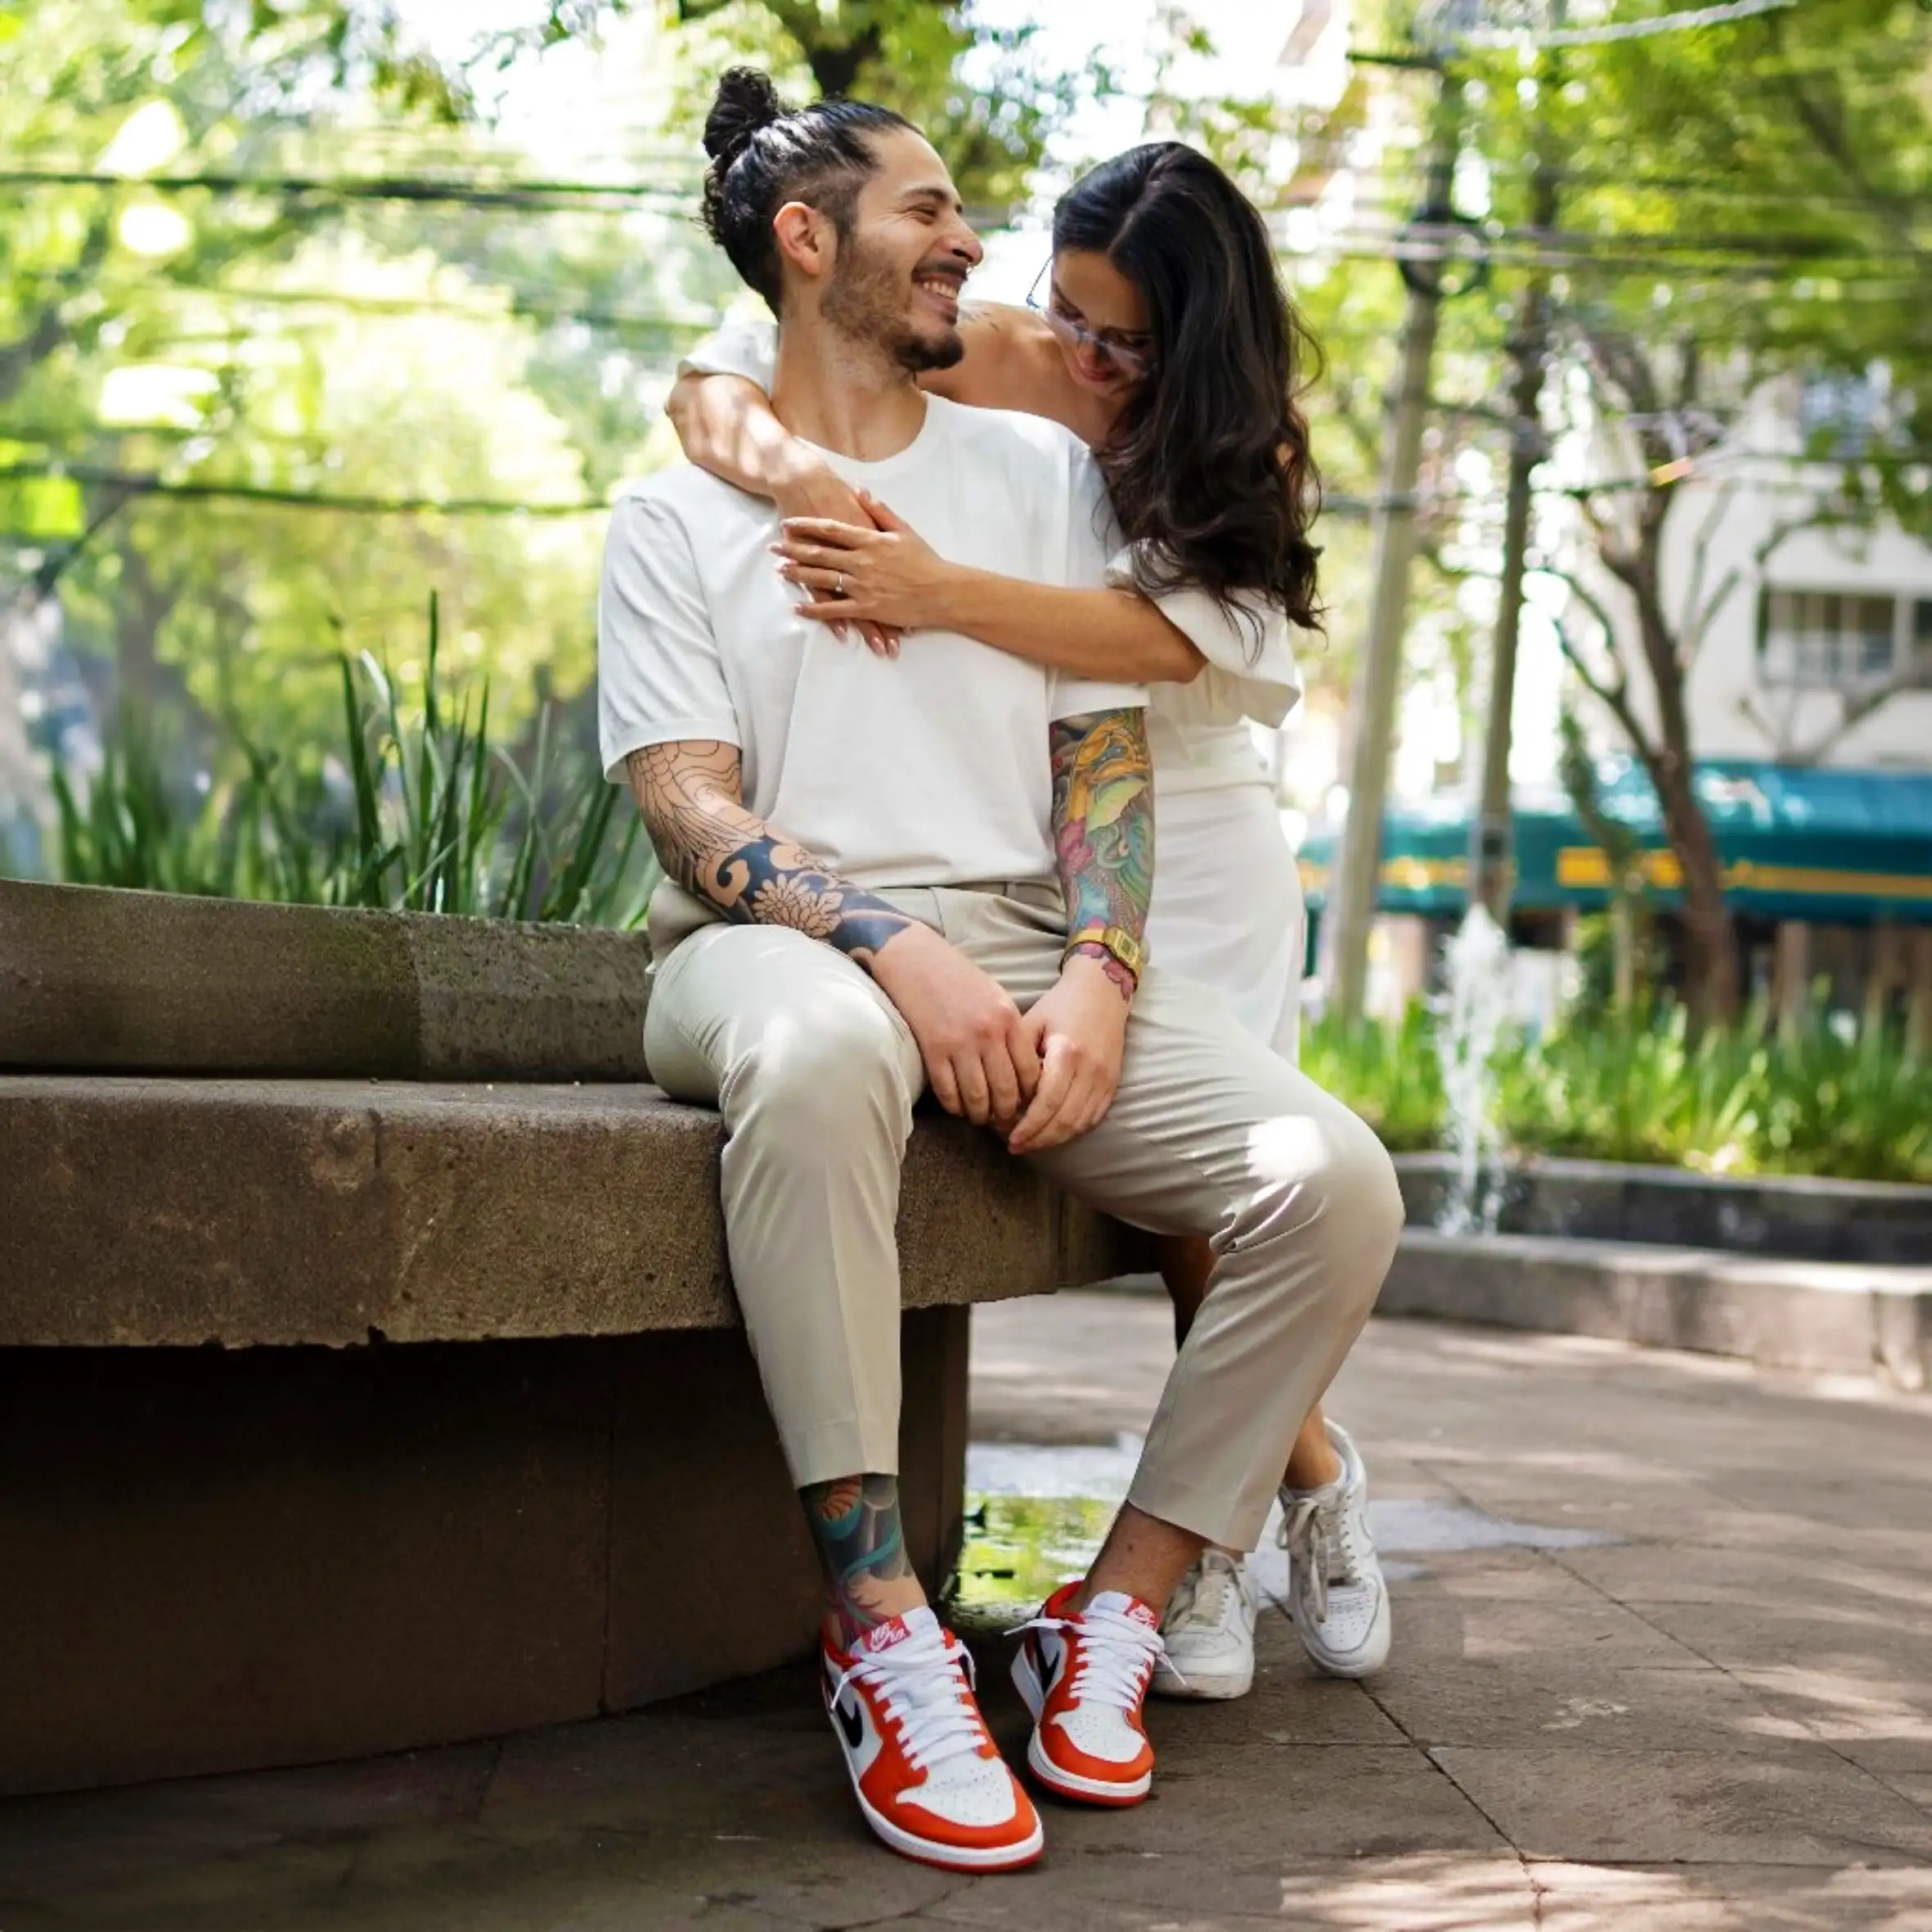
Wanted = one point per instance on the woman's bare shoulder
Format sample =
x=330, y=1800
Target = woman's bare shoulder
x=1012, y=362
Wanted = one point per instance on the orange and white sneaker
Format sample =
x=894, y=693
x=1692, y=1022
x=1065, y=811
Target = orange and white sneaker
x=929, y=1778
x=1084, y=1676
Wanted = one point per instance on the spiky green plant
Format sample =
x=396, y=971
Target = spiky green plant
x=1387, y=1071
x=436, y=818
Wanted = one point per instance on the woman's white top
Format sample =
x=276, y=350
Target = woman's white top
x=1198, y=733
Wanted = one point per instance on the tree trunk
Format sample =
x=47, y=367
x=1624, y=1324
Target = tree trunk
x=1791, y=978
x=837, y=66
x=1711, y=942
x=1714, y=992
x=1623, y=954
x=1918, y=996
x=1891, y=968
x=23, y=789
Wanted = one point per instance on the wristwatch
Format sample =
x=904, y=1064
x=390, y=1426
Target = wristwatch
x=1117, y=940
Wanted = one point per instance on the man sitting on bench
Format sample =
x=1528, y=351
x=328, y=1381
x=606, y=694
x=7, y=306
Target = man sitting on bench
x=889, y=875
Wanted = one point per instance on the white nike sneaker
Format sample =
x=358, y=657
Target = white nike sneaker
x=1337, y=1597
x=1209, y=1630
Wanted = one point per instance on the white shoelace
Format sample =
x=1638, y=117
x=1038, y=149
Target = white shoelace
x=1117, y=1655
x=926, y=1690
x=1207, y=1590
x=1333, y=1534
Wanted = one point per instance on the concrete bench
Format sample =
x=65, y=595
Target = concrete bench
x=344, y=1414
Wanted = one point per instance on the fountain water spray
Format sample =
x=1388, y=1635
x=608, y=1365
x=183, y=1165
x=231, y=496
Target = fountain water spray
x=1470, y=1014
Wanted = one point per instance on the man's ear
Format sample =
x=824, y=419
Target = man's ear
x=806, y=241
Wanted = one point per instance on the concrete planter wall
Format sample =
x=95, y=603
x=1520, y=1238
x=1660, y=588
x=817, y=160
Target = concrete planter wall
x=369, y=1375
x=1824, y=1276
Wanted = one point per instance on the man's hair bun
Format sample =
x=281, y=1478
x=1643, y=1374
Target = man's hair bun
x=821, y=152
x=746, y=101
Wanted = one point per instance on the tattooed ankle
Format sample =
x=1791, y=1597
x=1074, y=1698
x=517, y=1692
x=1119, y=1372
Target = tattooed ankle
x=862, y=1544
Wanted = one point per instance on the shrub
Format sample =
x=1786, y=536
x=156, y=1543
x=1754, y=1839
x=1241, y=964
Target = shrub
x=1387, y=1071
x=1641, y=1087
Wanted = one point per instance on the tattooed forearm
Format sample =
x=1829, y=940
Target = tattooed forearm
x=862, y=1543
x=690, y=794
x=1103, y=822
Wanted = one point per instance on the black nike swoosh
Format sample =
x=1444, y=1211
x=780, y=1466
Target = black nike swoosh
x=851, y=1723
x=1050, y=1675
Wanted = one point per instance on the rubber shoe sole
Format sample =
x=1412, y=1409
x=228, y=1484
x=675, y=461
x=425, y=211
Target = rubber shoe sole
x=928, y=1851
x=1204, y=1686
x=1067, y=1784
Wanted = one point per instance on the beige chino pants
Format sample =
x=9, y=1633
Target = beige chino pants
x=816, y=1073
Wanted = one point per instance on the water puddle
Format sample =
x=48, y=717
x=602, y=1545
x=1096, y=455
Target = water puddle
x=1036, y=1514
x=1018, y=1550
x=1101, y=1470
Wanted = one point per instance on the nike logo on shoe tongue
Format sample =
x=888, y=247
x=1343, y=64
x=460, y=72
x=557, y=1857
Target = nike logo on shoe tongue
x=1129, y=1607
x=895, y=1630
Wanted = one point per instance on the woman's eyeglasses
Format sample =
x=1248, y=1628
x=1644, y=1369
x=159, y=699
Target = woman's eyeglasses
x=1131, y=356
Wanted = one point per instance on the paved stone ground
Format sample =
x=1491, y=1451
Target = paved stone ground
x=1720, y=1717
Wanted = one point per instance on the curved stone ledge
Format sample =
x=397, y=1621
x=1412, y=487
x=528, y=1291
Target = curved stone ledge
x=177, y=1212
x=95, y=979
x=286, y=1546
x=1795, y=1216
x=1853, y=1318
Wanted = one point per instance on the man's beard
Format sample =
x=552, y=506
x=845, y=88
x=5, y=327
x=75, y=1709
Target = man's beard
x=865, y=301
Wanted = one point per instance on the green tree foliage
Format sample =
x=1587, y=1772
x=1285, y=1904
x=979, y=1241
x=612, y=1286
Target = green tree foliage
x=120, y=92
x=214, y=378
x=980, y=93
x=1706, y=208
x=242, y=601
x=1772, y=174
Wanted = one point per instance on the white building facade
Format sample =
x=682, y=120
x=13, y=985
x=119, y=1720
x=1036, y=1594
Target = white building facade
x=1816, y=648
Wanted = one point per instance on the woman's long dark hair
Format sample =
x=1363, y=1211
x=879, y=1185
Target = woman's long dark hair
x=1208, y=465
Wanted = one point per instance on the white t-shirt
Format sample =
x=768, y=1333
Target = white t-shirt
x=929, y=769
x=1198, y=732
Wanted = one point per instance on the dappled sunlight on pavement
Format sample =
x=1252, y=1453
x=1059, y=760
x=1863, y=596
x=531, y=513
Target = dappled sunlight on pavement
x=1431, y=1893
x=1663, y=1663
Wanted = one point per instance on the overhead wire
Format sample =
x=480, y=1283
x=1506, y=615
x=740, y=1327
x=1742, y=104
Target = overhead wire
x=150, y=482
x=1481, y=503
x=517, y=194
x=1682, y=21
x=1505, y=242
x=1666, y=255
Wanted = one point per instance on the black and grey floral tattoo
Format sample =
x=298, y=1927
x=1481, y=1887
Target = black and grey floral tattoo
x=690, y=794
